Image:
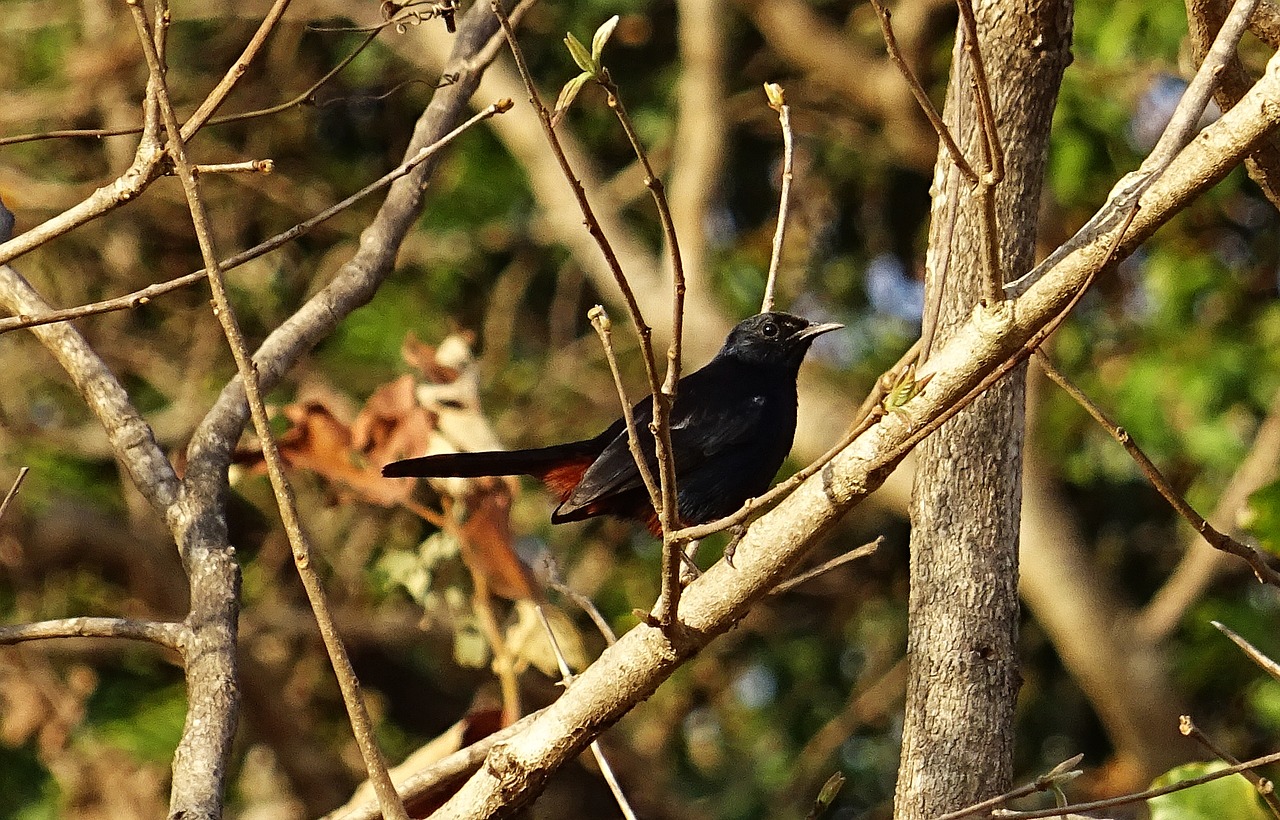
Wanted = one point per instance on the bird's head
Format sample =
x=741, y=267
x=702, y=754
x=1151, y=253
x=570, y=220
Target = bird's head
x=779, y=339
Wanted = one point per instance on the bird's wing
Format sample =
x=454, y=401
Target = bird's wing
x=699, y=430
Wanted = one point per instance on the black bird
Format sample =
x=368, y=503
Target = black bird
x=731, y=427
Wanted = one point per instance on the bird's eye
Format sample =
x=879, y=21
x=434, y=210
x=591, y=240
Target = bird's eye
x=769, y=330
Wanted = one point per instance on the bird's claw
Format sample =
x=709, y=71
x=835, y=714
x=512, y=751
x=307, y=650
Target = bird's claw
x=731, y=548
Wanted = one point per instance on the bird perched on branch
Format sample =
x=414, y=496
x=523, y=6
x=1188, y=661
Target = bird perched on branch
x=732, y=424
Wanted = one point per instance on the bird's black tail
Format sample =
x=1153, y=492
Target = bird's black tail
x=535, y=462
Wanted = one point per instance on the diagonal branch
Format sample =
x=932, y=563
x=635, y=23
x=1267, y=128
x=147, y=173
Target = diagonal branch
x=132, y=439
x=1215, y=537
x=167, y=634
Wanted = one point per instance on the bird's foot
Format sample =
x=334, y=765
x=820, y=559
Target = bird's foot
x=647, y=618
x=737, y=531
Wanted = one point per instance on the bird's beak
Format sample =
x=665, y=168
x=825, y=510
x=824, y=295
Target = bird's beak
x=817, y=330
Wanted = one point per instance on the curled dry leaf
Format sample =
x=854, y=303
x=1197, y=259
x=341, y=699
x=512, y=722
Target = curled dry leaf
x=487, y=543
x=403, y=418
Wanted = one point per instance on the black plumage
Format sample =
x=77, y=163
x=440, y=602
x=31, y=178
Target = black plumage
x=732, y=426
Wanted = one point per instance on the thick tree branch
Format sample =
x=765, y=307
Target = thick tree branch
x=132, y=439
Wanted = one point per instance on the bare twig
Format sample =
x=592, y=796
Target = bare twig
x=1266, y=788
x=593, y=226
x=1136, y=797
x=1199, y=566
x=248, y=166
x=777, y=101
x=826, y=566
x=663, y=397
x=13, y=491
x=917, y=90
x=1257, y=656
x=1216, y=538
x=362, y=725
x=306, y=96
x=992, y=159
x=557, y=582
x=167, y=634
x=1052, y=779
x=235, y=71
x=597, y=751
x=982, y=90
x=604, y=329
x=663, y=393
x=130, y=301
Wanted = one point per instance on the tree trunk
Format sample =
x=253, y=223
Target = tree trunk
x=957, y=743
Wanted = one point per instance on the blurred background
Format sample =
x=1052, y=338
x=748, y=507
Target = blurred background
x=1181, y=347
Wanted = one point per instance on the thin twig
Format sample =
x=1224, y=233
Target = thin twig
x=1135, y=797
x=1214, y=537
x=604, y=329
x=13, y=491
x=307, y=95
x=593, y=225
x=777, y=101
x=556, y=582
x=992, y=159
x=1266, y=788
x=982, y=89
x=1197, y=568
x=361, y=723
x=826, y=566
x=1066, y=770
x=248, y=166
x=663, y=397
x=165, y=633
x=213, y=101
x=1257, y=656
x=130, y=301
x=662, y=393
x=566, y=675
x=917, y=90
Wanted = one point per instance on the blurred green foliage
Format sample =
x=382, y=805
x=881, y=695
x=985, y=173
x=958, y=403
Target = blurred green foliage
x=1233, y=797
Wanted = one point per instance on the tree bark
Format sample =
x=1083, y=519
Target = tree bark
x=963, y=609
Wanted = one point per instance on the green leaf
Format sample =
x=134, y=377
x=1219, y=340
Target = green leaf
x=830, y=791
x=580, y=55
x=1233, y=796
x=567, y=96
x=601, y=37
